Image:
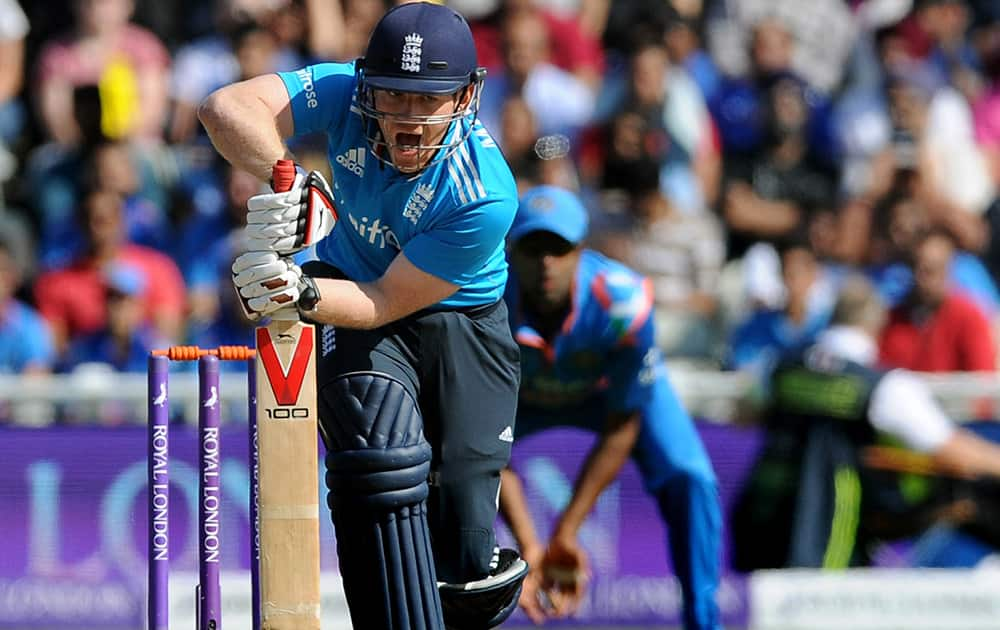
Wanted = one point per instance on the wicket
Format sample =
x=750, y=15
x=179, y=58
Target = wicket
x=208, y=591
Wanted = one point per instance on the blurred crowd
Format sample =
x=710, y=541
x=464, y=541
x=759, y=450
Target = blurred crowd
x=744, y=154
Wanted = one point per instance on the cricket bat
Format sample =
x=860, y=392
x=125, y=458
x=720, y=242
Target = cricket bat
x=288, y=490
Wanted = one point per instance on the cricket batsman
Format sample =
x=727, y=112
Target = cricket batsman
x=417, y=370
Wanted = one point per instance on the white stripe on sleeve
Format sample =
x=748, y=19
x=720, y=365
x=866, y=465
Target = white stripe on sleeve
x=904, y=407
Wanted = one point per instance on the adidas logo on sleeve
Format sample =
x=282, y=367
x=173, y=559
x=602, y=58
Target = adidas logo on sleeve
x=353, y=160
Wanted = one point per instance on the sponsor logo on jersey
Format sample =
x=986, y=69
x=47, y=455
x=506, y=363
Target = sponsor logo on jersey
x=418, y=202
x=353, y=160
x=375, y=232
x=413, y=46
x=308, y=88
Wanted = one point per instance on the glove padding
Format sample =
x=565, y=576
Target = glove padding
x=267, y=282
x=288, y=222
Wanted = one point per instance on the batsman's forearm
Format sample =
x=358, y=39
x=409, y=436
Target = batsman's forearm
x=360, y=305
x=514, y=509
x=243, y=131
x=602, y=466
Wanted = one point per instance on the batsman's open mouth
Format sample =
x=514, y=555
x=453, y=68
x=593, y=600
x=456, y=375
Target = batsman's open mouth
x=407, y=142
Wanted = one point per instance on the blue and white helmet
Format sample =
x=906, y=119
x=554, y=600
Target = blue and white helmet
x=423, y=48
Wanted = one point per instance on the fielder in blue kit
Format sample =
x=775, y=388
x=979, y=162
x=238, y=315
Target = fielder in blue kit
x=584, y=326
x=417, y=370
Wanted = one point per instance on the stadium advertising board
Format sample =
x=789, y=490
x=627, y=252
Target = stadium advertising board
x=73, y=527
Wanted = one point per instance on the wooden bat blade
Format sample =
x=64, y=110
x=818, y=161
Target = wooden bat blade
x=288, y=477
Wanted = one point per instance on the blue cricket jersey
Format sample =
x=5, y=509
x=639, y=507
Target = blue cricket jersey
x=606, y=346
x=449, y=219
x=604, y=360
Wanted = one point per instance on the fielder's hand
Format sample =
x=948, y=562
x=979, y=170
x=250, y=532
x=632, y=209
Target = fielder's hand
x=566, y=573
x=267, y=282
x=533, y=600
x=288, y=222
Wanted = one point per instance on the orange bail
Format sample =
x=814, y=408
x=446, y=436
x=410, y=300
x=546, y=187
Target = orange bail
x=193, y=353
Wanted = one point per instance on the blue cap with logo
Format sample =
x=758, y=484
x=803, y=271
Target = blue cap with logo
x=421, y=47
x=550, y=209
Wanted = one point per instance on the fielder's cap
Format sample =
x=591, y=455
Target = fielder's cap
x=420, y=47
x=550, y=209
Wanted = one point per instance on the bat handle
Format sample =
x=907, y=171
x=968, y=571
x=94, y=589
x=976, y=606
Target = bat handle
x=282, y=175
x=282, y=178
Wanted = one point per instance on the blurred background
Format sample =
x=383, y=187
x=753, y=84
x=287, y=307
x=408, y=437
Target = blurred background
x=746, y=155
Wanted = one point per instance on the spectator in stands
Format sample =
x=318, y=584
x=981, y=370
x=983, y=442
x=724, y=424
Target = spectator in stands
x=16, y=232
x=284, y=36
x=360, y=17
x=560, y=101
x=228, y=323
x=54, y=175
x=232, y=52
x=680, y=252
x=126, y=339
x=782, y=37
x=25, y=340
x=906, y=222
x=517, y=134
x=129, y=64
x=215, y=316
x=668, y=101
x=684, y=45
x=767, y=193
x=952, y=54
x=986, y=112
x=936, y=329
x=117, y=166
x=742, y=107
x=534, y=160
x=808, y=501
x=769, y=334
x=307, y=31
x=933, y=145
x=574, y=47
x=72, y=299
x=13, y=29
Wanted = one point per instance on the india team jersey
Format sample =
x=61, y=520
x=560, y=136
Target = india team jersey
x=605, y=348
x=450, y=220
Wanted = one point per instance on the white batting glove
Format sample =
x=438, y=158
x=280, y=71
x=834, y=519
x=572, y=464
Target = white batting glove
x=267, y=281
x=288, y=222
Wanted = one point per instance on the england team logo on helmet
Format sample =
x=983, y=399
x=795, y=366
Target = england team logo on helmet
x=420, y=48
x=411, y=52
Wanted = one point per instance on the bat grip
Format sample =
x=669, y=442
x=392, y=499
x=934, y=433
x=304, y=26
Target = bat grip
x=282, y=179
x=282, y=175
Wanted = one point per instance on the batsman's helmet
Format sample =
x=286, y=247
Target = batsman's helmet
x=422, y=48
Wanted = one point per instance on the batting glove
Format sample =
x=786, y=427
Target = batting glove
x=267, y=282
x=288, y=222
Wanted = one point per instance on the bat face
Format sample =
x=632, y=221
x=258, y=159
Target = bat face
x=288, y=475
